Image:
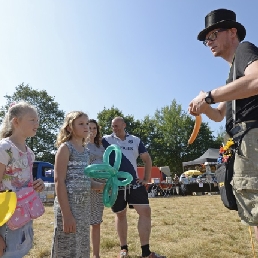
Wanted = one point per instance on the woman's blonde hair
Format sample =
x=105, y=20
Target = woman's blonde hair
x=18, y=110
x=64, y=135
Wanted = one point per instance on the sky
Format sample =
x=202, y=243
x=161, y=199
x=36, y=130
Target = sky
x=135, y=55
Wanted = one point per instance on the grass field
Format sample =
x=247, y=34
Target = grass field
x=182, y=227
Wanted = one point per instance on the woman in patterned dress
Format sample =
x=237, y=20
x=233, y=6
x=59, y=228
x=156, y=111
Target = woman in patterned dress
x=72, y=203
x=96, y=157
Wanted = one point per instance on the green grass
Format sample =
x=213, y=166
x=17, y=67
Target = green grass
x=182, y=227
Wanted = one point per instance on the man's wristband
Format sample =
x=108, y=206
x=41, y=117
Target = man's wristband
x=209, y=99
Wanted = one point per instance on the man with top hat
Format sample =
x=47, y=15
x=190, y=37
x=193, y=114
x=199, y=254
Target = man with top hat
x=223, y=35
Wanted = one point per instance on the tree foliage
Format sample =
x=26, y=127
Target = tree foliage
x=50, y=119
x=105, y=118
x=165, y=135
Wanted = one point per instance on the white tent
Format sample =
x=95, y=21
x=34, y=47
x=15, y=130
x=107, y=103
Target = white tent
x=165, y=170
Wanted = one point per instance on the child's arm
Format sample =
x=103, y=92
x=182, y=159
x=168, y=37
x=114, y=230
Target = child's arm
x=2, y=243
x=2, y=170
x=38, y=185
x=61, y=161
x=2, y=246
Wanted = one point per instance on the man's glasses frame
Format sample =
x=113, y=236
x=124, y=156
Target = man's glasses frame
x=212, y=37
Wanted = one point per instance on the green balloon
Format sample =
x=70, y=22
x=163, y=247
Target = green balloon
x=98, y=171
x=110, y=192
x=128, y=178
x=106, y=171
x=118, y=155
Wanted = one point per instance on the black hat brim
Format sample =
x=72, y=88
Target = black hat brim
x=224, y=25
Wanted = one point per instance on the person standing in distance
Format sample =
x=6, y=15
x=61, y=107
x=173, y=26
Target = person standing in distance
x=96, y=157
x=72, y=205
x=223, y=36
x=135, y=195
x=176, y=184
x=16, y=161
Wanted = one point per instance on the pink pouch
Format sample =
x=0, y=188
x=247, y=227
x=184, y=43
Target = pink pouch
x=29, y=206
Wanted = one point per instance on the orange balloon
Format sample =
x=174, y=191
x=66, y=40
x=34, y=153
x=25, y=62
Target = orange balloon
x=197, y=125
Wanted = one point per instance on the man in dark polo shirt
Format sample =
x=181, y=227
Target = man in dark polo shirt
x=223, y=36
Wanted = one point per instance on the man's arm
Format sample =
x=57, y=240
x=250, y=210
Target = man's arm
x=241, y=88
x=216, y=114
x=147, y=167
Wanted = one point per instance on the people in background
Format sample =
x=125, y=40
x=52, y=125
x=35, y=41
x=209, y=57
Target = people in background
x=16, y=161
x=96, y=157
x=176, y=184
x=72, y=202
x=135, y=195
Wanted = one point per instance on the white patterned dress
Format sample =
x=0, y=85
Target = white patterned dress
x=97, y=206
x=76, y=245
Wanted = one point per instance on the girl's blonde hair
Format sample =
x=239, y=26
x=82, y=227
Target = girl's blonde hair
x=64, y=135
x=18, y=110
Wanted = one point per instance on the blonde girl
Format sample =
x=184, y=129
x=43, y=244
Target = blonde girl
x=21, y=121
x=72, y=204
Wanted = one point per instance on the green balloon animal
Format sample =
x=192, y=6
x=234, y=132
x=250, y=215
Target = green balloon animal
x=106, y=171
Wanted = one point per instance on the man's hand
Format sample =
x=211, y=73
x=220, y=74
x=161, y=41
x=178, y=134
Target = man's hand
x=2, y=246
x=142, y=181
x=198, y=105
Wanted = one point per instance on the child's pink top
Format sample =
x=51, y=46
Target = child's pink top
x=18, y=170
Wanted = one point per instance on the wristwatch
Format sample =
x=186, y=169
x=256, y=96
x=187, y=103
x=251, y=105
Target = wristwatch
x=209, y=99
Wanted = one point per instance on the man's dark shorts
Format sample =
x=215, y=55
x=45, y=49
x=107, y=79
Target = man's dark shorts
x=133, y=197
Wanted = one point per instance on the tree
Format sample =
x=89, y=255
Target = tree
x=169, y=142
x=165, y=135
x=219, y=140
x=50, y=119
x=105, y=118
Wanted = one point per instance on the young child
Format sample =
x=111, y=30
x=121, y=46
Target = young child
x=72, y=203
x=20, y=122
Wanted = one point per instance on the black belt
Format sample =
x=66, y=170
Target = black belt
x=130, y=186
x=127, y=187
x=239, y=128
x=238, y=132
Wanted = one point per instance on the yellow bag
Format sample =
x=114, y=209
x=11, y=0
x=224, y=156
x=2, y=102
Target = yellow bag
x=8, y=203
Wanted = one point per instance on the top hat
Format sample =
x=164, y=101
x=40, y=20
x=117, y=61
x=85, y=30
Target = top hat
x=224, y=19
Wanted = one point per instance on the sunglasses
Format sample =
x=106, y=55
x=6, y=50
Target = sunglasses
x=212, y=37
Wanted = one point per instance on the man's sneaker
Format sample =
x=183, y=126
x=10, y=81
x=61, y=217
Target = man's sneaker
x=154, y=255
x=123, y=254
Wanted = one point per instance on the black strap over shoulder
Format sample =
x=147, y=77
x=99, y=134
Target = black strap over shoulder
x=238, y=132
